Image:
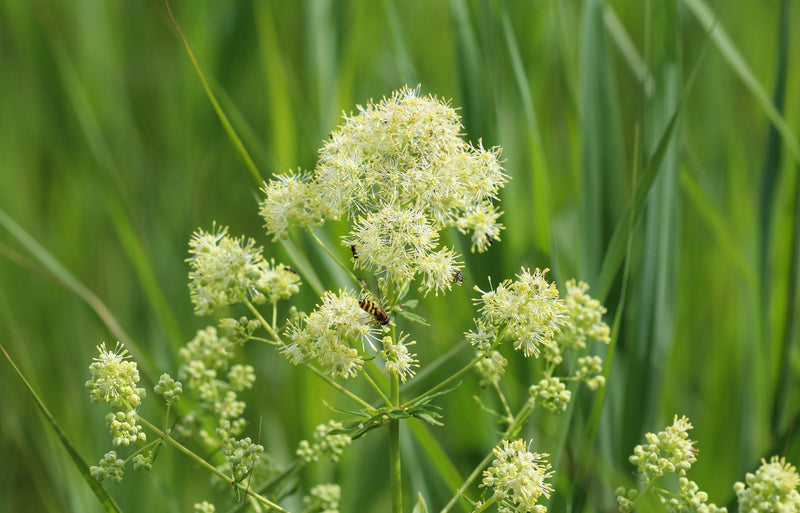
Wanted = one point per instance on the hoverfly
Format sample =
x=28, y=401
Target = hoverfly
x=371, y=307
x=353, y=251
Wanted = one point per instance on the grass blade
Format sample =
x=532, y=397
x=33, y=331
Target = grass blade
x=742, y=70
x=255, y=175
x=99, y=492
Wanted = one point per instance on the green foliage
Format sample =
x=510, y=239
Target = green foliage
x=636, y=145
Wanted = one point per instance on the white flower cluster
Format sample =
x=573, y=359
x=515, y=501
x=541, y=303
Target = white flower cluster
x=668, y=452
x=400, y=171
x=518, y=476
x=227, y=270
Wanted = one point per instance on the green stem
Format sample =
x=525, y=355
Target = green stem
x=334, y=257
x=267, y=326
x=458, y=374
x=447, y=381
x=376, y=387
x=485, y=505
x=339, y=387
x=395, y=475
x=511, y=432
x=211, y=468
x=468, y=482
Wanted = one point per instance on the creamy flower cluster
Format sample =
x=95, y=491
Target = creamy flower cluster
x=772, y=489
x=518, y=476
x=328, y=335
x=114, y=380
x=400, y=172
x=227, y=270
x=668, y=452
x=528, y=311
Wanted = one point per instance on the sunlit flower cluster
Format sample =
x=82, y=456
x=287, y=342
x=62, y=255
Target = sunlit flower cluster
x=400, y=171
x=114, y=379
x=328, y=335
x=669, y=452
x=227, y=270
x=528, y=311
x=518, y=476
x=772, y=489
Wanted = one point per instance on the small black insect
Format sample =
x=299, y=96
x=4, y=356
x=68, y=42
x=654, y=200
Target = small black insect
x=289, y=269
x=458, y=277
x=353, y=251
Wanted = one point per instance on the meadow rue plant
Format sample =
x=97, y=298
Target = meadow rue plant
x=395, y=175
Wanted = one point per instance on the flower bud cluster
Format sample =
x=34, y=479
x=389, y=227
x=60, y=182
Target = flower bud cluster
x=585, y=318
x=328, y=334
x=227, y=270
x=169, y=388
x=667, y=452
x=239, y=331
x=552, y=394
x=773, y=488
x=400, y=171
x=324, y=498
x=114, y=380
x=527, y=310
x=491, y=367
x=590, y=370
x=518, y=476
x=204, y=507
x=209, y=374
x=325, y=443
x=110, y=468
x=242, y=455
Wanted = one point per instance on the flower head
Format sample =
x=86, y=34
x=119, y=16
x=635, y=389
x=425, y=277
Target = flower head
x=114, y=378
x=773, y=488
x=584, y=318
x=110, y=467
x=329, y=334
x=668, y=451
x=400, y=172
x=518, y=476
x=227, y=270
x=527, y=310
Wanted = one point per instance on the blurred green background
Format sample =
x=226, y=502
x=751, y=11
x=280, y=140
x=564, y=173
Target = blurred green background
x=111, y=155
